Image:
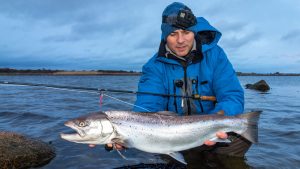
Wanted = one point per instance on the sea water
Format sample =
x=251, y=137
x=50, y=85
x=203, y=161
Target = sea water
x=40, y=112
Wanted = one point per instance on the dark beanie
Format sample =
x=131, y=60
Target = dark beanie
x=176, y=16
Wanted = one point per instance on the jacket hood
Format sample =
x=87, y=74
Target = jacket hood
x=206, y=34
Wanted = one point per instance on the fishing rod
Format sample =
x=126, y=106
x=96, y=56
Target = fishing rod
x=195, y=96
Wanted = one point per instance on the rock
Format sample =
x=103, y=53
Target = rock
x=260, y=86
x=18, y=151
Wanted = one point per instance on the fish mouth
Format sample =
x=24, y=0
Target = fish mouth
x=75, y=137
x=79, y=134
x=71, y=136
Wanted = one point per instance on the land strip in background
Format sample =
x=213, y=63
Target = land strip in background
x=10, y=71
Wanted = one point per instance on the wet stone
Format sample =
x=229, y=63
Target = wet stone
x=20, y=152
x=260, y=86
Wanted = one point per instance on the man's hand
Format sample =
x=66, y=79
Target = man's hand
x=221, y=135
x=114, y=146
x=110, y=146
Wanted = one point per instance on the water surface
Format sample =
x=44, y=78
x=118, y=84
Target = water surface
x=40, y=113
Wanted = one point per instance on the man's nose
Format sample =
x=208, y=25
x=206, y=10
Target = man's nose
x=180, y=38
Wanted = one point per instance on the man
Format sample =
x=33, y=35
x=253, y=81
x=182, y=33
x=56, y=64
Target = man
x=189, y=63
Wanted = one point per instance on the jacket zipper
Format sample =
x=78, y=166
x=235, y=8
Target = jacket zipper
x=197, y=90
x=185, y=86
x=175, y=100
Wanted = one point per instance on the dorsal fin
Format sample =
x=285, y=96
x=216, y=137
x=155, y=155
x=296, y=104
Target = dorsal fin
x=167, y=113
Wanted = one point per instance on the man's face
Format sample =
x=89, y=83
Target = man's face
x=180, y=42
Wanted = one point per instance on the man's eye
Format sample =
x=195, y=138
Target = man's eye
x=186, y=32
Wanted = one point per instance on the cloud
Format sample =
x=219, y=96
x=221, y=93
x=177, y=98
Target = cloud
x=59, y=12
x=292, y=36
x=97, y=34
x=231, y=26
x=236, y=41
x=25, y=62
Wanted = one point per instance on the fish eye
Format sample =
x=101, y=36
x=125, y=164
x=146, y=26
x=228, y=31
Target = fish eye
x=81, y=124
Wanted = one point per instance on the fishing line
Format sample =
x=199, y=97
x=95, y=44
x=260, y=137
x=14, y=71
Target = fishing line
x=194, y=96
x=64, y=89
x=75, y=89
x=101, y=91
x=126, y=102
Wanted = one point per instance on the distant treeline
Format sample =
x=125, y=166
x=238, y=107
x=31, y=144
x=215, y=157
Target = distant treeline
x=116, y=71
x=9, y=71
x=267, y=74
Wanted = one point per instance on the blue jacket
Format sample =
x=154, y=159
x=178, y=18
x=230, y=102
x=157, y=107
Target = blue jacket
x=211, y=75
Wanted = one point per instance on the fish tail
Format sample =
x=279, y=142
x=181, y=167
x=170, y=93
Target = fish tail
x=251, y=132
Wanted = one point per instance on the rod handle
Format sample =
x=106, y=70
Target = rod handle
x=207, y=98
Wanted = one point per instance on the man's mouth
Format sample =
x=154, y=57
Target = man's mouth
x=181, y=47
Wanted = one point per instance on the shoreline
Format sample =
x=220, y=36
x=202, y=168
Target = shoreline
x=45, y=72
x=114, y=74
x=70, y=74
x=49, y=72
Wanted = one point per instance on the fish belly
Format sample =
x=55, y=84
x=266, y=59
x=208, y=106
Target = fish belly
x=164, y=139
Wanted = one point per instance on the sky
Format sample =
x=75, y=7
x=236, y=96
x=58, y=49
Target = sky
x=257, y=36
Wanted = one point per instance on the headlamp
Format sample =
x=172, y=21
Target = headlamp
x=184, y=19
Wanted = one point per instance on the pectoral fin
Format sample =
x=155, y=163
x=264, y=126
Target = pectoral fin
x=120, y=142
x=178, y=156
x=216, y=139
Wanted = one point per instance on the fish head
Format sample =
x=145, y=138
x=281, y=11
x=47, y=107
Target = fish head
x=93, y=128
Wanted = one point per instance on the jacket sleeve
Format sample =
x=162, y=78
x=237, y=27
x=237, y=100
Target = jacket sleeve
x=150, y=81
x=226, y=86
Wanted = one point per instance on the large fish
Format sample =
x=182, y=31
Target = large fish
x=162, y=132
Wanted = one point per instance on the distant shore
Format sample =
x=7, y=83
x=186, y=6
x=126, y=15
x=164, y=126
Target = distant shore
x=267, y=74
x=9, y=71
x=77, y=73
